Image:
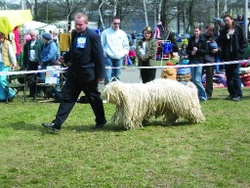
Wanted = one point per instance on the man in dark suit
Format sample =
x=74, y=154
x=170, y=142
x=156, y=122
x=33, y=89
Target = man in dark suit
x=86, y=70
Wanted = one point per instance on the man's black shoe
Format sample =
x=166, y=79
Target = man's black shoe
x=51, y=127
x=31, y=95
x=237, y=98
x=230, y=97
x=99, y=126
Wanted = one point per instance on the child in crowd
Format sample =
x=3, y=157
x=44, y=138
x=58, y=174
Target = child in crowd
x=212, y=43
x=169, y=72
x=132, y=52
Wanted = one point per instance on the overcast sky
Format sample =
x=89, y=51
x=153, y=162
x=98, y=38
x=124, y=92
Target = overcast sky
x=12, y=1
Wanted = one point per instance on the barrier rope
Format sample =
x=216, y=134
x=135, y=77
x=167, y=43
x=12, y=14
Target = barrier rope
x=181, y=66
x=16, y=72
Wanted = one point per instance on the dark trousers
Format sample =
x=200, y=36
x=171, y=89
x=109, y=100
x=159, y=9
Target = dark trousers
x=71, y=90
x=233, y=79
x=209, y=70
x=147, y=75
x=33, y=77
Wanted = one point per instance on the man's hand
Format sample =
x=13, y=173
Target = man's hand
x=142, y=58
x=15, y=67
x=61, y=59
x=214, y=51
x=100, y=79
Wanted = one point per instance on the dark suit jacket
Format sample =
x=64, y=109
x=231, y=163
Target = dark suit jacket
x=88, y=61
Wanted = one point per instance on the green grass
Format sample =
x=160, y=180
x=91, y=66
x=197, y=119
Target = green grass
x=212, y=154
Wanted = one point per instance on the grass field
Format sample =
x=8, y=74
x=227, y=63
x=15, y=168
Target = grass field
x=215, y=153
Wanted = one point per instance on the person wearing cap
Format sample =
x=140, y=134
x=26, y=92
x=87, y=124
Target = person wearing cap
x=146, y=55
x=31, y=59
x=115, y=47
x=7, y=59
x=50, y=51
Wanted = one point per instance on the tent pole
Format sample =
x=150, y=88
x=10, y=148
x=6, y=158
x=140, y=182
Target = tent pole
x=246, y=18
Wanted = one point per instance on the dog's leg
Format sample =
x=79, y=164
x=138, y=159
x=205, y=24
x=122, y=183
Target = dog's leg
x=171, y=118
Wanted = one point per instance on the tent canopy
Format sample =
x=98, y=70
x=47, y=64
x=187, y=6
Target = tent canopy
x=9, y=19
x=32, y=25
x=35, y=25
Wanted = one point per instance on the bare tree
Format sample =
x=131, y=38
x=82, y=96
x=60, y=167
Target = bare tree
x=185, y=12
x=124, y=9
x=145, y=11
x=68, y=7
x=100, y=13
x=159, y=9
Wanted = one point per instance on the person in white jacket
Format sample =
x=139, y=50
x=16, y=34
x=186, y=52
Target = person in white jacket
x=115, y=47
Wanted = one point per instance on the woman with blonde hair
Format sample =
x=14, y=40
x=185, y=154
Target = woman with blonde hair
x=146, y=54
x=7, y=59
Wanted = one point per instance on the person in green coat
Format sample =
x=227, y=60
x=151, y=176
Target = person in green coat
x=31, y=58
x=146, y=54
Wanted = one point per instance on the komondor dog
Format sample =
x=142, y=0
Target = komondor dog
x=137, y=103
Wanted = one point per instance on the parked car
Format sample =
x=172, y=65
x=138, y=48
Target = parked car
x=181, y=36
x=187, y=35
x=129, y=37
x=139, y=36
x=178, y=39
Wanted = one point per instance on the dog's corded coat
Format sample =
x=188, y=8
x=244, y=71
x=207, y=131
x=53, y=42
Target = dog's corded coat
x=137, y=103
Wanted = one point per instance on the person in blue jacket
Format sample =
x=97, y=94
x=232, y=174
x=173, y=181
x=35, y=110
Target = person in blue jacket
x=50, y=51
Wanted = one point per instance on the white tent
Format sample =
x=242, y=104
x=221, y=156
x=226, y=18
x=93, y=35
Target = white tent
x=31, y=25
x=49, y=27
x=35, y=25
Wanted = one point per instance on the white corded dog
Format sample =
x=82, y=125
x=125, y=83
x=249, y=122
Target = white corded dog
x=137, y=103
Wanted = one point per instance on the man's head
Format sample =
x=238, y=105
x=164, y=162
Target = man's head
x=81, y=22
x=46, y=37
x=116, y=21
x=229, y=21
x=33, y=34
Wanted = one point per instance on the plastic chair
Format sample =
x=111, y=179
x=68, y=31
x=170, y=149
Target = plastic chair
x=52, y=80
x=18, y=83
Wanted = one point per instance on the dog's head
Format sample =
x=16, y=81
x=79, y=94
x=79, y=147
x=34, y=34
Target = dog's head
x=114, y=92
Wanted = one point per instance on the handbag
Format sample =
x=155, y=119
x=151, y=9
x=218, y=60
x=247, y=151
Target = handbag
x=209, y=59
